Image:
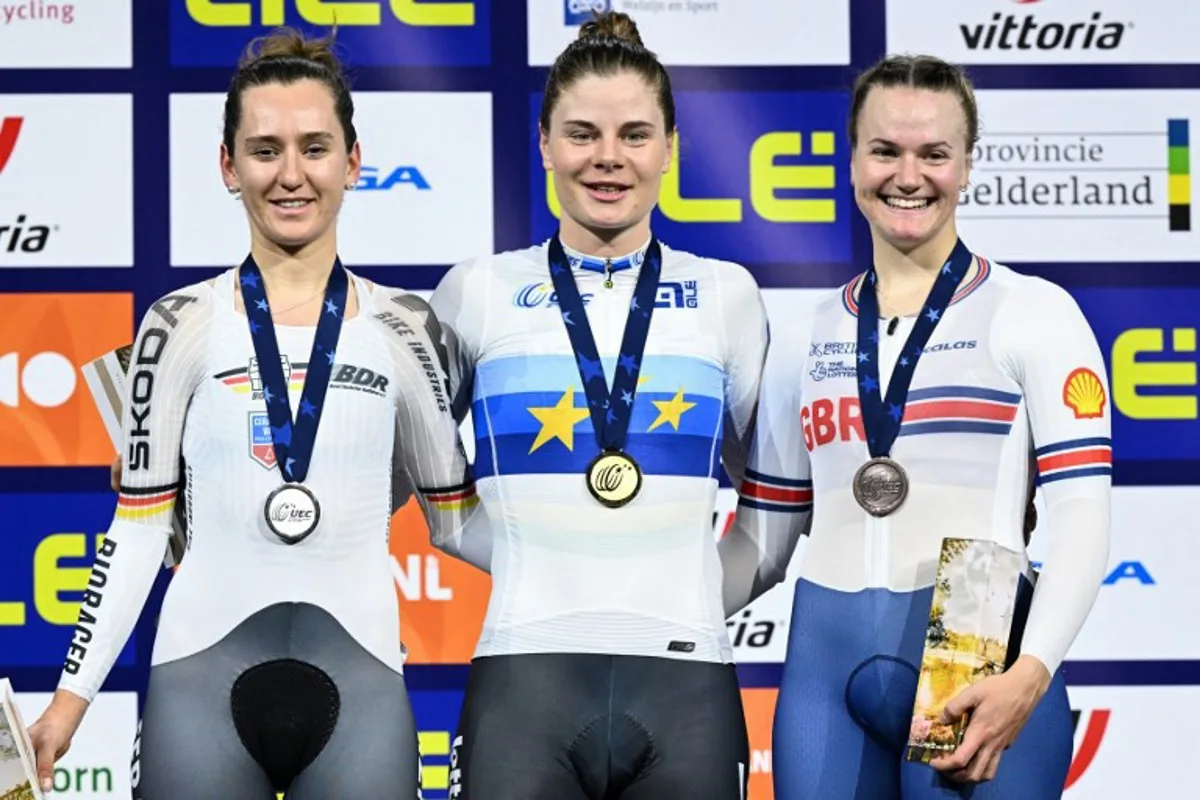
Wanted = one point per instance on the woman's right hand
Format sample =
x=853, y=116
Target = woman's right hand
x=52, y=733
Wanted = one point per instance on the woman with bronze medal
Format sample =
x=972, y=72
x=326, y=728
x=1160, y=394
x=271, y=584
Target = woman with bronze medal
x=277, y=665
x=608, y=377
x=964, y=373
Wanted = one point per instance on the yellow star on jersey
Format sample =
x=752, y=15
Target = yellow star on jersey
x=559, y=421
x=670, y=410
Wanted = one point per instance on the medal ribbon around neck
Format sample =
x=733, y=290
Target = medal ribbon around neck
x=612, y=410
x=293, y=440
x=882, y=415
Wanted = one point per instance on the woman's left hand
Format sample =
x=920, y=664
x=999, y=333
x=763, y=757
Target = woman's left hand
x=999, y=707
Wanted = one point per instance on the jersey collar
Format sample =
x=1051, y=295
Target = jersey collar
x=633, y=260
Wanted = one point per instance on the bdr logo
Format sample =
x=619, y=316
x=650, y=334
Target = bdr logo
x=45, y=420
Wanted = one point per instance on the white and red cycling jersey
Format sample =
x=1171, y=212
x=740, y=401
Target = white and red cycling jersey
x=1011, y=376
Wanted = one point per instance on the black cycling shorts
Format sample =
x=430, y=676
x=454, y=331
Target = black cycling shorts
x=597, y=727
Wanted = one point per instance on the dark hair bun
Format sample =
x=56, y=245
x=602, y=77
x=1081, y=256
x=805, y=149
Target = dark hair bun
x=291, y=43
x=612, y=25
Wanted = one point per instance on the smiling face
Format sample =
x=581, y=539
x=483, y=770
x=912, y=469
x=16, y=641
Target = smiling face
x=910, y=163
x=290, y=164
x=608, y=147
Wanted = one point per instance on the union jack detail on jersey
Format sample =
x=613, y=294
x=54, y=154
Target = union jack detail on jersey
x=959, y=409
x=1074, y=458
x=775, y=494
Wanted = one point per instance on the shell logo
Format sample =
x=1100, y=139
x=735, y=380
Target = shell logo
x=1083, y=393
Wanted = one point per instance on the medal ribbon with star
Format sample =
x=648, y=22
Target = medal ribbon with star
x=882, y=416
x=293, y=441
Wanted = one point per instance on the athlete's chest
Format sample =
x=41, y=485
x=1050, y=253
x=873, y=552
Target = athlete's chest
x=529, y=318
x=956, y=383
x=358, y=400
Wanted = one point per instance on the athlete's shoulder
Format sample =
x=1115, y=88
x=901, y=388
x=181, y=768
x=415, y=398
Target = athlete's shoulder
x=392, y=299
x=1026, y=293
x=190, y=305
x=842, y=300
x=734, y=283
x=730, y=271
x=500, y=264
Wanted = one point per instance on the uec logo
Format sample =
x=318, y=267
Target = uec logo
x=534, y=295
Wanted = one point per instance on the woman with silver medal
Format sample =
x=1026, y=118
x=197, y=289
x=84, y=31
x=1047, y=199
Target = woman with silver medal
x=609, y=377
x=965, y=373
x=277, y=664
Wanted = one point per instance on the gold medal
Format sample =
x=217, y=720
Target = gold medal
x=614, y=478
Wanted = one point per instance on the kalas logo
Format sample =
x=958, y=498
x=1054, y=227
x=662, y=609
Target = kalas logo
x=1029, y=32
x=29, y=238
x=1089, y=745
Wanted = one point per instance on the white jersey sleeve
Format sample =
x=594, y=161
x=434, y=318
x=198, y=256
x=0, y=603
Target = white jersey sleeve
x=460, y=303
x=166, y=365
x=428, y=443
x=1046, y=345
x=775, y=498
x=744, y=318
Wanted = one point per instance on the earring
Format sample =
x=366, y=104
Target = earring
x=350, y=187
x=234, y=191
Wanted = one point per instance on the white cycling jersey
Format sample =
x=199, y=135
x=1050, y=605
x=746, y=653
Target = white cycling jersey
x=1011, y=371
x=568, y=574
x=195, y=413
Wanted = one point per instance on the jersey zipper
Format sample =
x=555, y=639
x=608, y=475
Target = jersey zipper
x=608, y=283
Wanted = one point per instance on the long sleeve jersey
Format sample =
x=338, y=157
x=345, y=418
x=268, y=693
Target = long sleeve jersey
x=568, y=574
x=1011, y=376
x=195, y=422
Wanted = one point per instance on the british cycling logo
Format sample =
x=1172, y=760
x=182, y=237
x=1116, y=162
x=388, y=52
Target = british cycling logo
x=577, y=12
x=1032, y=31
x=19, y=234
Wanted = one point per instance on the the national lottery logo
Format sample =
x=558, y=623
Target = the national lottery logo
x=832, y=369
x=577, y=12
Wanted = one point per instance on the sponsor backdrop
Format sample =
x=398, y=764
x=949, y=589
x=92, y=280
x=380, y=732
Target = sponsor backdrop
x=110, y=119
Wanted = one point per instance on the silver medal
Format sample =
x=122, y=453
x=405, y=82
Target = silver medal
x=880, y=486
x=292, y=512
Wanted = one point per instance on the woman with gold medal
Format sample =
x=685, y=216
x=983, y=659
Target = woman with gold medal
x=609, y=378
